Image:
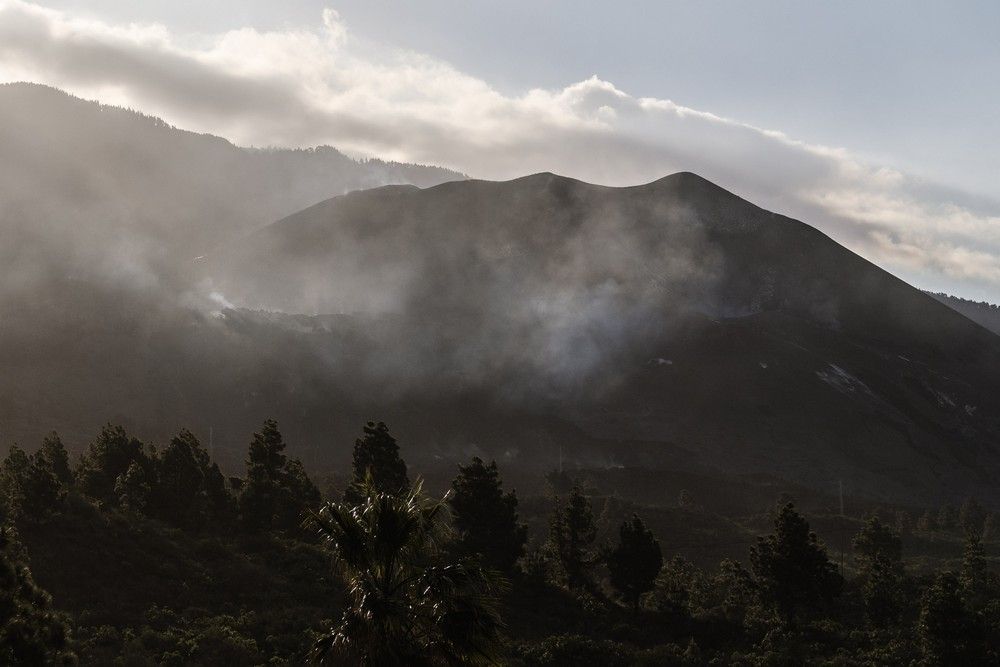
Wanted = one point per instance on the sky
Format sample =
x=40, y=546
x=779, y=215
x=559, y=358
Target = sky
x=876, y=122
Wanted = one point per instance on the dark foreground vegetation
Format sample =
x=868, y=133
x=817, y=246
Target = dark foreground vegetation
x=156, y=557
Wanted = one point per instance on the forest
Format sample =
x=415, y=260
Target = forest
x=133, y=555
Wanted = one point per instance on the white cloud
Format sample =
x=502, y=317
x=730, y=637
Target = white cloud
x=327, y=85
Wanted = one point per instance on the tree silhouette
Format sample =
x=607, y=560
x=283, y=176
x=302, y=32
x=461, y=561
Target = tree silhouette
x=949, y=634
x=635, y=562
x=31, y=633
x=791, y=566
x=54, y=453
x=109, y=457
x=133, y=489
x=407, y=604
x=376, y=456
x=571, y=534
x=277, y=491
x=486, y=517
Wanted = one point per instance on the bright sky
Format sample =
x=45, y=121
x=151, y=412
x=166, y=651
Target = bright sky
x=877, y=122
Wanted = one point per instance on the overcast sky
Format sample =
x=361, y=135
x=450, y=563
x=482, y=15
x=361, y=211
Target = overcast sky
x=877, y=122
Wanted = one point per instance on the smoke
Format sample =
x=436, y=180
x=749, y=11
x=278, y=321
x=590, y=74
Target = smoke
x=537, y=289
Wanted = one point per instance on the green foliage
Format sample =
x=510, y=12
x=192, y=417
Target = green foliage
x=31, y=633
x=277, y=492
x=132, y=489
x=54, y=453
x=877, y=541
x=972, y=516
x=571, y=535
x=791, y=566
x=407, y=604
x=31, y=490
x=109, y=458
x=486, y=517
x=879, y=551
x=949, y=634
x=376, y=457
x=635, y=561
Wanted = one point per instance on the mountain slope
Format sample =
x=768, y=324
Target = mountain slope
x=983, y=313
x=90, y=172
x=665, y=316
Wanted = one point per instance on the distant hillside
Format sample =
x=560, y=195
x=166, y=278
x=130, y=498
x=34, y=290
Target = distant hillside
x=87, y=174
x=980, y=312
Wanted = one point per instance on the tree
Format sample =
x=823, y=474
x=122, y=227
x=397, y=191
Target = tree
x=977, y=583
x=31, y=633
x=946, y=517
x=949, y=634
x=486, y=517
x=407, y=604
x=109, y=457
x=132, y=489
x=55, y=454
x=277, y=490
x=571, y=534
x=181, y=496
x=266, y=454
x=972, y=516
x=791, y=566
x=635, y=562
x=376, y=455
x=877, y=541
x=41, y=492
x=879, y=556
x=12, y=474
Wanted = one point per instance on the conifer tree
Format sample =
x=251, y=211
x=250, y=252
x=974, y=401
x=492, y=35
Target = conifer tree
x=486, y=517
x=949, y=634
x=277, y=490
x=376, y=456
x=41, y=492
x=635, y=562
x=571, y=534
x=31, y=633
x=55, y=454
x=879, y=557
x=181, y=495
x=132, y=489
x=791, y=566
x=107, y=459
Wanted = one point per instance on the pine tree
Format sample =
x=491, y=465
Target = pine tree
x=486, y=517
x=571, y=534
x=972, y=516
x=978, y=585
x=31, y=633
x=55, y=454
x=277, y=490
x=635, y=562
x=879, y=556
x=791, y=566
x=946, y=517
x=949, y=634
x=376, y=456
x=12, y=473
x=41, y=492
x=132, y=489
x=180, y=495
x=109, y=457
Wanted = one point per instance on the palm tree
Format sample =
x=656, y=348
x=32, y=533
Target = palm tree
x=407, y=604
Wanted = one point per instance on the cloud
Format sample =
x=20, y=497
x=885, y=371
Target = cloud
x=325, y=84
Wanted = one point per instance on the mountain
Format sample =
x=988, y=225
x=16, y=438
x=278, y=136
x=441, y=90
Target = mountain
x=80, y=175
x=636, y=326
x=542, y=321
x=983, y=313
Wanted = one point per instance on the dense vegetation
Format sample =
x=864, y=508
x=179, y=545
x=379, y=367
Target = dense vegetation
x=155, y=557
